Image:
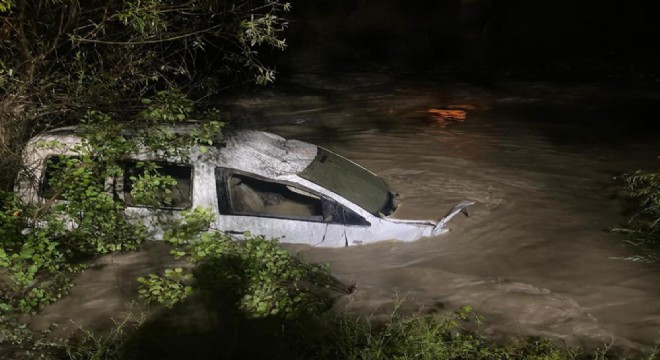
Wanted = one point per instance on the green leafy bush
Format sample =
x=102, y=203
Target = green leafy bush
x=35, y=266
x=59, y=59
x=435, y=337
x=643, y=227
x=44, y=245
x=100, y=65
x=168, y=289
x=266, y=279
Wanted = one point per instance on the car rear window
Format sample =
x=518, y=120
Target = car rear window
x=348, y=180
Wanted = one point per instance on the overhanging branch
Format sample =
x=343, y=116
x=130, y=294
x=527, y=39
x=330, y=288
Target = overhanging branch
x=145, y=42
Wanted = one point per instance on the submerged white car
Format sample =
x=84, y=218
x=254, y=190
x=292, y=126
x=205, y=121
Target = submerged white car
x=257, y=182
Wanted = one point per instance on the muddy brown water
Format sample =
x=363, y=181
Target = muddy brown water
x=533, y=258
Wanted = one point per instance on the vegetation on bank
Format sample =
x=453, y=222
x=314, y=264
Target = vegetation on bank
x=61, y=59
x=327, y=336
x=643, y=227
x=105, y=66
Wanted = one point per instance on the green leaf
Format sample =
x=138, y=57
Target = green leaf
x=27, y=252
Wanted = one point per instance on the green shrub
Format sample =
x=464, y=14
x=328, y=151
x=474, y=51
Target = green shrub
x=437, y=337
x=266, y=279
x=643, y=226
x=98, y=65
x=44, y=245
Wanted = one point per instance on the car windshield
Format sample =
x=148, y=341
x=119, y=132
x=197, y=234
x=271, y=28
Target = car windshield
x=349, y=180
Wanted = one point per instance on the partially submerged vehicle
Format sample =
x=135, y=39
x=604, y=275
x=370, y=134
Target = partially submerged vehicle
x=258, y=182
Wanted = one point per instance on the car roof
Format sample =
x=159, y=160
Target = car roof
x=266, y=154
x=262, y=153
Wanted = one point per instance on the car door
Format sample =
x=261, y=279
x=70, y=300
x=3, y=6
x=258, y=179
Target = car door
x=248, y=202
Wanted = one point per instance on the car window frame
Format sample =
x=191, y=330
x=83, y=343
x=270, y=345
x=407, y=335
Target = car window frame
x=121, y=180
x=41, y=186
x=223, y=174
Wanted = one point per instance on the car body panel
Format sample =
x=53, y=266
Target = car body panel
x=248, y=156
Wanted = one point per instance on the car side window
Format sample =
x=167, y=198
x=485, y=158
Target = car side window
x=338, y=214
x=178, y=196
x=55, y=175
x=251, y=196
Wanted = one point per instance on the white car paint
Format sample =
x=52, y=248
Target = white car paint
x=253, y=153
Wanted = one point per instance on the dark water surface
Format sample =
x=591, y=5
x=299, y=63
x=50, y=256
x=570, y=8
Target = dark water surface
x=534, y=257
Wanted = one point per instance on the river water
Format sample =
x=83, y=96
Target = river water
x=534, y=257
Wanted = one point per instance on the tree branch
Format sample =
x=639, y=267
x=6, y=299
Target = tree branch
x=145, y=42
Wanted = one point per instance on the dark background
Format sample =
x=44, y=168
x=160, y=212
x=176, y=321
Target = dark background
x=477, y=38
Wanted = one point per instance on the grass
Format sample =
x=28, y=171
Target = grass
x=430, y=337
x=329, y=336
